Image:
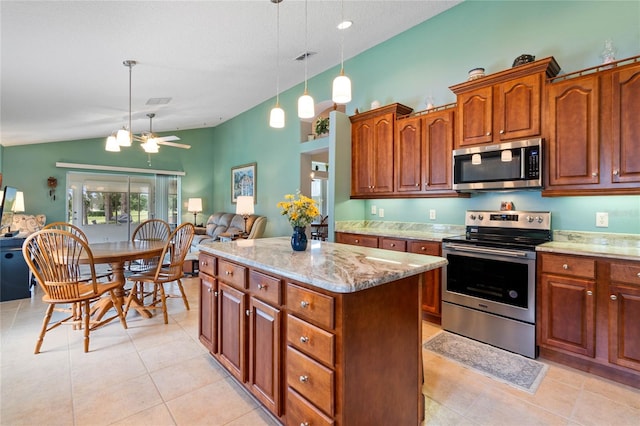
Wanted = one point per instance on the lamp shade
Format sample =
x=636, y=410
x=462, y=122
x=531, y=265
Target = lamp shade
x=341, y=89
x=150, y=146
x=123, y=137
x=18, y=206
x=306, y=106
x=112, y=144
x=194, y=205
x=244, y=205
x=276, y=118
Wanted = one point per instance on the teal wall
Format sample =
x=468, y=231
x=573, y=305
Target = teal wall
x=423, y=61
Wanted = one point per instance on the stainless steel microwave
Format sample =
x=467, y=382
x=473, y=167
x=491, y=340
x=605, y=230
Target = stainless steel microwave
x=509, y=165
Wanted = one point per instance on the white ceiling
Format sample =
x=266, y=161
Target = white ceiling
x=62, y=76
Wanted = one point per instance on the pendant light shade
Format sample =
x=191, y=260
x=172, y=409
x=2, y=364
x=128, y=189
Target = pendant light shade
x=341, y=89
x=112, y=144
x=150, y=146
x=306, y=106
x=276, y=118
x=123, y=137
x=341, y=93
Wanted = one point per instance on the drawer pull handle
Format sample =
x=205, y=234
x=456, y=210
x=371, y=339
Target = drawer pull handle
x=488, y=133
x=393, y=244
x=262, y=287
x=304, y=339
x=304, y=379
x=589, y=293
x=356, y=241
x=304, y=304
x=247, y=312
x=565, y=266
x=228, y=272
x=215, y=293
x=638, y=274
x=209, y=290
x=613, y=297
x=304, y=424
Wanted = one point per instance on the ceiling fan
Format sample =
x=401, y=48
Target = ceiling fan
x=150, y=142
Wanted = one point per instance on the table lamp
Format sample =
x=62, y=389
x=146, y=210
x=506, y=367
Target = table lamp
x=244, y=207
x=18, y=206
x=194, y=205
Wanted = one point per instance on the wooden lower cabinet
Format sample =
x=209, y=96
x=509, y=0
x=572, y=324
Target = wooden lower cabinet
x=316, y=357
x=431, y=281
x=588, y=314
x=208, y=312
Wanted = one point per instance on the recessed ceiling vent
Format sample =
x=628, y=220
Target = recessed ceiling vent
x=158, y=101
x=304, y=55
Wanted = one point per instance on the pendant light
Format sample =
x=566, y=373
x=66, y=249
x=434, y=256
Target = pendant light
x=276, y=117
x=123, y=136
x=306, y=105
x=341, y=84
x=150, y=146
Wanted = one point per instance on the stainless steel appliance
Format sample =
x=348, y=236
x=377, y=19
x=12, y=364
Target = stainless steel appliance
x=507, y=165
x=489, y=285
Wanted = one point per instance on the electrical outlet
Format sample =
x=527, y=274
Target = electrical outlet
x=381, y=212
x=374, y=210
x=602, y=219
x=432, y=214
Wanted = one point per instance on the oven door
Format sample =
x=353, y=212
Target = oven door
x=493, y=280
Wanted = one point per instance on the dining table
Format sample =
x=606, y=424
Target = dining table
x=116, y=254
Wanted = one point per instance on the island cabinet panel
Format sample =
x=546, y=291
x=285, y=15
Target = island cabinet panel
x=232, y=331
x=588, y=314
x=208, y=312
x=302, y=412
x=312, y=340
x=315, y=307
x=264, y=354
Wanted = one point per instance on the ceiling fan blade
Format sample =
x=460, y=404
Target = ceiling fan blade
x=175, y=145
x=168, y=138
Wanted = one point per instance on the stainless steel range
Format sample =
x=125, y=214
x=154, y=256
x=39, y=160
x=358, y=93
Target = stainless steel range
x=489, y=285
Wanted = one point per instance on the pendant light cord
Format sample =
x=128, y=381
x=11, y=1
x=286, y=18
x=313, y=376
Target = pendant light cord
x=342, y=38
x=130, y=65
x=278, y=53
x=306, y=48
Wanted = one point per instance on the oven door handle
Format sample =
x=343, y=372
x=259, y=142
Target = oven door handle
x=487, y=250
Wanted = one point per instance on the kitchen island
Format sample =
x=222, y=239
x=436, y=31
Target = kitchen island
x=331, y=335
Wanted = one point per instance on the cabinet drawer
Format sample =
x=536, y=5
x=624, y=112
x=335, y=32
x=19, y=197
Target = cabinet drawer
x=358, y=240
x=431, y=248
x=207, y=264
x=311, y=305
x=311, y=340
x=233, y=274
x=311, y=379
x=265, y=287
x=302, y=412
x=393, y=244
x=626, y=273
x=569, y=265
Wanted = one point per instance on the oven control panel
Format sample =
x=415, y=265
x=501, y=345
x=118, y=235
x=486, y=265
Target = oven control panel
x=509, y=219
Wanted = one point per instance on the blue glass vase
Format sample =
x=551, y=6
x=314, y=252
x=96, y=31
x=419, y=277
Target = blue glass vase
x=299, y=238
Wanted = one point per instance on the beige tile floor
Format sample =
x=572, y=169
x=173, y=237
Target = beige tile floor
x=157, y=374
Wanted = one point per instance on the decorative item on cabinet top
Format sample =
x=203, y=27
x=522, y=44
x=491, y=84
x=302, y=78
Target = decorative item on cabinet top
x=523, y=59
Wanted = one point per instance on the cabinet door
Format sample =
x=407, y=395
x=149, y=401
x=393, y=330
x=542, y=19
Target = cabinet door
x=208, y=312
x=408, y=155
x=232, y=330
x=574, y=132
x=431, y=285
x=475, y=124
x=265, y=354
x=625, y=125
x=624, y=333
x=438, y=144
x=518, y=108
x=382, y=153
x=362, y=142
x=568, y=314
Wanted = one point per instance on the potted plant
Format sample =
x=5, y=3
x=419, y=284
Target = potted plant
x=322, y=126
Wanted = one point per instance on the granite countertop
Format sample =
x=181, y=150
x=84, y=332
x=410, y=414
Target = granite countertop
x=615, y=246
x=340, y=268
x=406, y=230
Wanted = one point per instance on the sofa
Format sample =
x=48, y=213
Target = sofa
x=228, y=224
x=27, y=223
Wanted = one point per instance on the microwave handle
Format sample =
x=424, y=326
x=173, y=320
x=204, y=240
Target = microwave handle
x=522, y=163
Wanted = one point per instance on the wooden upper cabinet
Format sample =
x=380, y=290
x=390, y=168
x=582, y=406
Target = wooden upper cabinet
x=625, y=125
x=593, y=131
x=423, y=146
x=372, y=142
x=503, y=106
x=573, y=137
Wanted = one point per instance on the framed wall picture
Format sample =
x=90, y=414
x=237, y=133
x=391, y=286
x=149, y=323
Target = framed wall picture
x=243, y=181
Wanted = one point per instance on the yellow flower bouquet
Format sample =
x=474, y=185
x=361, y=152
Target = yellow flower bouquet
x=300, y=211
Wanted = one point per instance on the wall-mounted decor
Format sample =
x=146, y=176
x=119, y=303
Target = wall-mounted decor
x=243, y=181
x=52, y=183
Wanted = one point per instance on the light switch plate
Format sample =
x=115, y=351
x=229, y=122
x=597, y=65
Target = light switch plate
x=602, y=219
x=381, y=212
x=374, y=210
x=432, y=214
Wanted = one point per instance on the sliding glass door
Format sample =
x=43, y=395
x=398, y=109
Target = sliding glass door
x=108, y=207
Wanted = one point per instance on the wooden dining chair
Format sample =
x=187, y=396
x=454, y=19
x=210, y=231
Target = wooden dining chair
x=77, y=231
x=54, y=257
x=173, y=253
x=149, y=230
